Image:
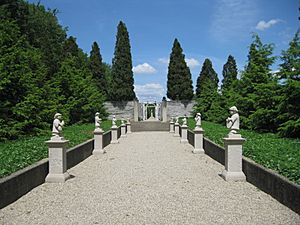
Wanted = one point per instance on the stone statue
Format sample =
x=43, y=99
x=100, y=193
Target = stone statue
x=177, y=119
x=233, y=122
x=184, y=121
x=172, y=119
x=97, y=120
x=114, y=120
x=198, y=119
x=58, y=123
x=123, y=122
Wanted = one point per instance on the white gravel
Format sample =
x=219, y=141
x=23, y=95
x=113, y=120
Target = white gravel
x=149, y=178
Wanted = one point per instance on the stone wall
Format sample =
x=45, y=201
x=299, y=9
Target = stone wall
x=120, y=109
x=179, y=108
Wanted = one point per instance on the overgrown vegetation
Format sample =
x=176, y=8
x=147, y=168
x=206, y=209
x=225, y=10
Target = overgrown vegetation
x=23, y=152
x=267, y=149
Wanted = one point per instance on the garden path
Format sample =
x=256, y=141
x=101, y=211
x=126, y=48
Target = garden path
x=149, y=178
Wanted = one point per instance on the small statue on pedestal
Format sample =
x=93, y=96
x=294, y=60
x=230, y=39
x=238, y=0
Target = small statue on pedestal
x=114, y=120
x=97, y=120
x=184, y=121
x=58, y=124
x=198, y=119
x=233, y=122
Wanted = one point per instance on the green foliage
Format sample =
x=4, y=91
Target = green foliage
x=97, y=69
x=269, y=150
x=25, y=151
x=122, y=81
x=179, y=84
x=229, y=74
x=289, y=107
x=207, y=92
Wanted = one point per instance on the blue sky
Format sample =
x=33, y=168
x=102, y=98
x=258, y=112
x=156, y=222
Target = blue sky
x=205, y=29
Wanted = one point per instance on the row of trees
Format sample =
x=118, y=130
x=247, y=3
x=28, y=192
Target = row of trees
x=268, y=102
x=42, y=71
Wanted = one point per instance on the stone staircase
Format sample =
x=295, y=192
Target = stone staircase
x=149, y=126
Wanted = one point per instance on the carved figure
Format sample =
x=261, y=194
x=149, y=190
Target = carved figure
x=114, y=120
x=184, y=121
x=233, y=122
x=58, y=123
x=97, y=120
x=198, y=119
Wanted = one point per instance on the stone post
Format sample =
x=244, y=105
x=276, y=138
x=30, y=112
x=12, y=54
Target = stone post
x=98, y=142
x=176, y=129
x=164, y=111
x=123, y=129
x=233, y=158
x=114, y=135
x=198, y=140
x=128, y=124
x=57, y=152
x=135, y=111
x=184, y=134
x=171, y=125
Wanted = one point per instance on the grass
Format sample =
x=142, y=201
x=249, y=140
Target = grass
x=267, y=149
x=23, y=152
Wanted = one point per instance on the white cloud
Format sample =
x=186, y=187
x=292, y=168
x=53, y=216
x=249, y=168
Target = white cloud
x=163, y=60
x=262, y=25
x=143, y=68
x=192, y=63
x=233, y=19
x=149, y=92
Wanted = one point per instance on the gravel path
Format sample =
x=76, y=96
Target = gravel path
x=149, y=178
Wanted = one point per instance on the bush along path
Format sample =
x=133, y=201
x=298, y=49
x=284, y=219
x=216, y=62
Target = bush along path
x=267, y=149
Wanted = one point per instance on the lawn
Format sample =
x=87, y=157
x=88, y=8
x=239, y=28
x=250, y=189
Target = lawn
x=23, y=152
x=267, y=149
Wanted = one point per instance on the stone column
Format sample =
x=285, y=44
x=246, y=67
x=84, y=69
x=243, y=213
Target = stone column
x=171, y=126
x=184, y=134
x=176, y=129
x=233, y=158
x=57, y=152
x=198, y=140
x=128, y=124
x=123, y=130
x=98, y=142
x=135, y=111
x=164, y=111
x=114, y=135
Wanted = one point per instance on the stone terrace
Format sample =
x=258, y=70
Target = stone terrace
x=149, y=178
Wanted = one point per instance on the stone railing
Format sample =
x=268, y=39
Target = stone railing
x=21, y=182
x=279, y=187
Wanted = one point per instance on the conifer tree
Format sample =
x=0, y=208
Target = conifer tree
x=207, y=90
x=289, y=107
x=122, y=75
x=97, y=68
x=229, y=73
x=179, y=82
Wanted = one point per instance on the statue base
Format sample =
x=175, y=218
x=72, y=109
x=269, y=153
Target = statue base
x=233, y=176
x=198, y=151
x=57, y=178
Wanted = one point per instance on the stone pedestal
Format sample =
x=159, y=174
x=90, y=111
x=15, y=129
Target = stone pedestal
x=123, y=131
x=233, y=158
x=184, y=134
x=164, y=116
x=135, y=111
x=198, y=140
x=114, y=135
x=176, y=130
x=172, y=127
x=57, y=152
x=128, y=124
x=98, y=142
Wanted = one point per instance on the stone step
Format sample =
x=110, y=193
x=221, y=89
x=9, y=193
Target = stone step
x=149, y=126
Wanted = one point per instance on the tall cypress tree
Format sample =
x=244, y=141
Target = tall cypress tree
x=207, y=89
x=122, y=75
x=179, y=84
x=97, y=68
x=229, y=73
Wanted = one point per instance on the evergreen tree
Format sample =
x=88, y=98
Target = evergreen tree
x=206, y=89
x=289, y=107
x=258, y=89
x=229, y=73
x=97, y=68
x=122, y=75
x=179, y=82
